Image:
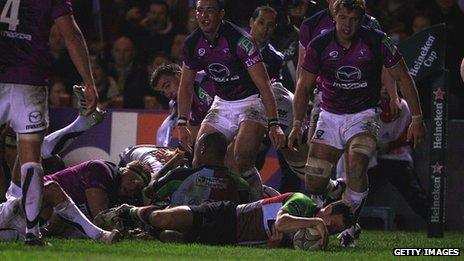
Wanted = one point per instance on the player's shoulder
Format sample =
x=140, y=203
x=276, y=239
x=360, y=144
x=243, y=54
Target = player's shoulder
x=314, y=20
x=371, y=21
x=235, y=35
x=321, y=41
x=193, y=37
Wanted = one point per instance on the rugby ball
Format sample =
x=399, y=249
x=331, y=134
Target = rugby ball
x=307, y=239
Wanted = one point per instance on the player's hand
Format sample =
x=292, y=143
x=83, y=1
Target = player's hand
x=295, y=137
x=322, y=229
x=185, y=138
x=277, y=136
x=395, y=108
x=91, y=98
x=275, y=238
x=416, y=132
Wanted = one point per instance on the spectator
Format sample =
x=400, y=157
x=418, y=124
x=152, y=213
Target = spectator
x=176, y=48
x=62, y=65
x=420, y=22
x=132, y=80
x=106, y=85
x=58, y=96
x=159, y=28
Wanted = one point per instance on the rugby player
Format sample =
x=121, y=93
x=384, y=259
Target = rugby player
x=348, y=59
x=54, y=200
x=24, y=63
x=165, y=80
x=211, y=181
x=254, y=223
x=232, y=60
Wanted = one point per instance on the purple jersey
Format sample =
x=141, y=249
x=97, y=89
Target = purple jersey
x=322, y=22
x=274, y=61
x=203, y=95
x=77, y=179
x=225, y=61
x=350, y=78
x=24, y=31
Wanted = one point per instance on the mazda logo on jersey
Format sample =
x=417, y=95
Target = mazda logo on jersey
x=35, y=116
x=218, y=70
x=348, y=74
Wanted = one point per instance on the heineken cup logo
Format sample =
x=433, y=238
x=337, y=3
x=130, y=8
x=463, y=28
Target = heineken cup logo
x=438, y=119
x=426, y=56
x=436, y=198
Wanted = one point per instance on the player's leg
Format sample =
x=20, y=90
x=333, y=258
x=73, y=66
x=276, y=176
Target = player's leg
x=65, y=208
x=204, y=129
x=361, y=144
x=29, y=121
x=247, y=143
x=59, y=140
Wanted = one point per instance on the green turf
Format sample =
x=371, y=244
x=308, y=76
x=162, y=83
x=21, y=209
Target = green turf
x=372, y=245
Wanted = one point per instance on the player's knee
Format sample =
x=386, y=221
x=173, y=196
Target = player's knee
x=53, y=193
x=298, y=168
x=364, y=145
x=318, y=172
x=161, y=219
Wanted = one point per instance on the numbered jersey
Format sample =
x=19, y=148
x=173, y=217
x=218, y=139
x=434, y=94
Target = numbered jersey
x=24, y=31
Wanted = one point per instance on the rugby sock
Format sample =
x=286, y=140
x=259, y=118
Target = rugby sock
x=59, y=140
x=68, y=211
x=142, y=214
x=254, y=181
x=355, y=200
x=32, y=185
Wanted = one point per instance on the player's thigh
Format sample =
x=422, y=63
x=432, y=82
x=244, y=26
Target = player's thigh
x=5, y=90
x=29, y=109
x=249, y=137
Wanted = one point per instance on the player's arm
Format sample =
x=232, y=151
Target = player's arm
x=97, y=200
x=260, y=77
x=462, y=70
x=286, y=223
x=304, y=88
x=184, y=102
x=79, y=54
x=301, y=53
x=390, y=85
x=399, y=73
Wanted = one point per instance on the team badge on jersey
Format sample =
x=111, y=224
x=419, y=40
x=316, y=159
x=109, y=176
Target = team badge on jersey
x=333, y=54
x=201, y=51
x=247, y=45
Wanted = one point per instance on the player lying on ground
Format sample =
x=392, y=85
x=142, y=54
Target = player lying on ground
x=54, y=201
x=95, y=186
x=271, y=220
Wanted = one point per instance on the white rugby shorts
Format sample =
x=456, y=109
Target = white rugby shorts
x=25, y=106
x=226, y=116
x=337, y=129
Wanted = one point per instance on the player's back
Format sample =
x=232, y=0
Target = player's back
x=24, y=31
x=193, y=186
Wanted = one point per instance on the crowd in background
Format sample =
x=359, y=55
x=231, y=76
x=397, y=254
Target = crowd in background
x=129, y=39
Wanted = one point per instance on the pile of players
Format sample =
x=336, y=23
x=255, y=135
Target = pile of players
x=228, y=98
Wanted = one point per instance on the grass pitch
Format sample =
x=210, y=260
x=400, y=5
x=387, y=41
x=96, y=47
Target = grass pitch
x=376, y=245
